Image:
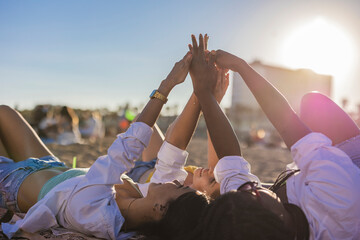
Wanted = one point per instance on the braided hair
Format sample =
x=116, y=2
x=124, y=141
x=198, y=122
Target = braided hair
x=300, y=221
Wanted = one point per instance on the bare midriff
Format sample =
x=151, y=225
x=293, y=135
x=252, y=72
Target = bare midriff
x=31, y=186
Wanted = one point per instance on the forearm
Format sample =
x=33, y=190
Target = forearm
x=221, y=133
x=274, y=104
x=182, y=129
x=212, y=156
x=151, y=112
x=156, y=140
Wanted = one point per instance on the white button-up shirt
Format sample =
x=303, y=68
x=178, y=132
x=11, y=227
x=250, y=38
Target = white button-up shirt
x=326, y=188
x=169, y=166
x=87, y=203
x=81, y=203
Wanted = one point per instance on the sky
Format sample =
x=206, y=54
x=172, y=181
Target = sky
x=92, y=53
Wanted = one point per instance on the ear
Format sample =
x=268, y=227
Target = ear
x=160, y=209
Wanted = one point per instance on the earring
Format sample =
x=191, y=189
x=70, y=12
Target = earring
x=155, y=206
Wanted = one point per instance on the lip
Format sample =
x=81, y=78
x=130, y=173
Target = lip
x=201, y=171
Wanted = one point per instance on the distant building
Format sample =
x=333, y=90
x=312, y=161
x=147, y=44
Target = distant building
x=293, y=84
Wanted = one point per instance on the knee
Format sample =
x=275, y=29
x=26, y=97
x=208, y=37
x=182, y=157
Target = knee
x=6, y=109
x=6, y=112
x=312, y=98
x=315, y=101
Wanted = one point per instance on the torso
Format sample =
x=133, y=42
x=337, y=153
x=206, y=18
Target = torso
x=31, y=186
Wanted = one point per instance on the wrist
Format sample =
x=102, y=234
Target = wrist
x=165, y=87
x=218, y=98
x=203, y=94
x=238, y=64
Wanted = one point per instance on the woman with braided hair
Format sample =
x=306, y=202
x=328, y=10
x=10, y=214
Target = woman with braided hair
x=318, y=202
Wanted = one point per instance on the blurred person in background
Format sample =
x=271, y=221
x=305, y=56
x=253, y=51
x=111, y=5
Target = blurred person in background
x=68, y=124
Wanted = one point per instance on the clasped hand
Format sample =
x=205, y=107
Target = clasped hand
x=202, y=69
x=206, y=77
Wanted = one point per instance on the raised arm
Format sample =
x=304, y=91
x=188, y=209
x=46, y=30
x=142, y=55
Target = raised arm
x=151, y=112
x=182, y=129
x=273, y=103
x=204, y=77
x=156, y=140
x=220, y=89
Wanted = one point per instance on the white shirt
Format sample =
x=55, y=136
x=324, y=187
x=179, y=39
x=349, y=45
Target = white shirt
x=87, y=203
x=326, y=189
x=169, y=166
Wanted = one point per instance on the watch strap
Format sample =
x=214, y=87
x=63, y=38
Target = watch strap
x=158, y=95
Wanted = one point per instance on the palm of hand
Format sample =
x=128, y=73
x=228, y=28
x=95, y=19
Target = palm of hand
x=222, y=84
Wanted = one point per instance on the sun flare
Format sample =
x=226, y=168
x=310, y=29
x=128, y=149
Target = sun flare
x=320, y=46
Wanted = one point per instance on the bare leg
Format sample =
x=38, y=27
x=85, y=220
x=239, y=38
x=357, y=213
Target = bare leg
x=156, y=140
x=322, y=115
x=3, y=151
x=18, y=138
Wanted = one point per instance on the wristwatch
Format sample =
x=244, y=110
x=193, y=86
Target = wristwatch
x=158, y=95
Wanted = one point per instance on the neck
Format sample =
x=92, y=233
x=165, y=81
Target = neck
x=188, y=180
x=136, y=212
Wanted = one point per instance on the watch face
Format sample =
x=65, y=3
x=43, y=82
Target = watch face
x=153, y=93
x=156, y=94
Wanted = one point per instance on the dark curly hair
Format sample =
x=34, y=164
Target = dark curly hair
x=232, y=217
x=182, y=217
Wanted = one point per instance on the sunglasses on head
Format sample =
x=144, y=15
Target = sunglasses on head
x=252, y=188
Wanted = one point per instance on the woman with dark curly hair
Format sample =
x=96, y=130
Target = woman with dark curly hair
x=100, y=201
x=320, y=199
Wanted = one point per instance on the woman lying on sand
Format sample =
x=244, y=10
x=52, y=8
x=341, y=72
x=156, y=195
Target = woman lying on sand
x=198, y=178
x=181, y=130
x=98, y=201
x=319, y=201
x=201, y=179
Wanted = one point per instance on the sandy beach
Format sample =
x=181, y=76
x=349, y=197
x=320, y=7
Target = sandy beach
x=266, y=162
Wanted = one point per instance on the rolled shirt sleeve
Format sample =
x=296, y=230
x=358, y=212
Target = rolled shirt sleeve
x=170, y=164
x=121, y=155
x=233, y=171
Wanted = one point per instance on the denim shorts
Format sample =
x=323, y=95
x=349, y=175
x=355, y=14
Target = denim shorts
x=352, y=148
x=140, y=168
x=12, y=174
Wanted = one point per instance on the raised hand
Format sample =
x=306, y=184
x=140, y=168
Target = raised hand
x=180, y=70
x=177, y=75
x=225, y=60
x=222, y=84
x=203, y=73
